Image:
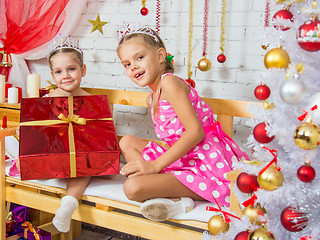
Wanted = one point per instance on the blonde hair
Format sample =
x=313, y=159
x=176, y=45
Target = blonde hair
x=78, y=56
x=168, y=66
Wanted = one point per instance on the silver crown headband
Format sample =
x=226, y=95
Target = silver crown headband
x=131, y=28
x=60, y=42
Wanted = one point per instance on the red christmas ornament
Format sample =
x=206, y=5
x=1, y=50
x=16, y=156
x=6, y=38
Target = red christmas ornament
x=280, y=18
x=308, y=35
x=144, y=11
x=262, y=92
x=306, y=173
x=260, y=133
x=191, y=82
x=293, y=220
x=221, y=58
x=242, y=235
x=247, y=182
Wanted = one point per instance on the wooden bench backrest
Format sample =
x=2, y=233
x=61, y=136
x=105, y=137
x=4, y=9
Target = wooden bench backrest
x=225, y=109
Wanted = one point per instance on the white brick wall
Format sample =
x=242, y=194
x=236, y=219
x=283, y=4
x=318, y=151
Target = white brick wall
x=234, y=79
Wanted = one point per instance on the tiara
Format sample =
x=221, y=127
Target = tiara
x=60, y=42
x=131, y=28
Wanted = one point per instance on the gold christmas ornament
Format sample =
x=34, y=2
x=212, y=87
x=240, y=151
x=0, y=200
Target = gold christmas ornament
x=260, y=234
x=252, y=212
x=217, y=225
x=277, y=58
x=204, y=64
x=270, y=179
x=307, y=136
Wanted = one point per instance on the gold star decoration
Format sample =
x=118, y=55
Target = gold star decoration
x=97, y=24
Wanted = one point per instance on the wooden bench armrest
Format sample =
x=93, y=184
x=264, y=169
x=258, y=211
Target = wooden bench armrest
x=7, y=132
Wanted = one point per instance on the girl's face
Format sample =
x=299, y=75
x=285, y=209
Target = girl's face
x=143, y=64
x=67, y=72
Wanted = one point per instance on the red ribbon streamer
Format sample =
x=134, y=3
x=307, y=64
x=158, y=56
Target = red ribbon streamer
x=219, y=209
x=251, y=200
x=305, y=238
x=274, y=154
x=303, y=116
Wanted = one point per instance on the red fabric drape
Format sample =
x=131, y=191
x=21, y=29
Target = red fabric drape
x=27, y=24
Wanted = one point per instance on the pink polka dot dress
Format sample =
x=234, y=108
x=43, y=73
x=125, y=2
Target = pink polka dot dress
x=204, y=168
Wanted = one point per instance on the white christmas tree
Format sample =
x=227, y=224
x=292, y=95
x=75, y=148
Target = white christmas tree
x=279, y=190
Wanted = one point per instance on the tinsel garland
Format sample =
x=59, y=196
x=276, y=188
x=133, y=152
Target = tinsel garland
x=158, y=8
x=222, y=25
x=205, y=27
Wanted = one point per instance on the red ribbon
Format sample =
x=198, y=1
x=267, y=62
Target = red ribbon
x=219, y=209
x=305, y=238
x=251, y=201
x=274, y=154
x=303, y=116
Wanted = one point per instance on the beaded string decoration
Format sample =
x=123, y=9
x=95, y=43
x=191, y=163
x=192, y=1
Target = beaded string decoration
x=204, y=64
x=144, y=11
x=221, y=57
x=158, y=16
x=189, y=80
x=265, y=45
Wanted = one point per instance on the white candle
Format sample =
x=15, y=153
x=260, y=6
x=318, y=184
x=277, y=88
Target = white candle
x=33, y=85
x=13, y=95
x=2, y=88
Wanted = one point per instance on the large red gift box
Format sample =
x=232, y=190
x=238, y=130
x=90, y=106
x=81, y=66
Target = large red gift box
x=62, y=137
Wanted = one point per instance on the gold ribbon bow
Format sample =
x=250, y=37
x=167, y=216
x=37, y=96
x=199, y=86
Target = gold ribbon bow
x=31, y=228
x=71, y=118
x=51, y=86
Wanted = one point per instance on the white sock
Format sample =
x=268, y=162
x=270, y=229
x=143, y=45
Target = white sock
x=63, y=215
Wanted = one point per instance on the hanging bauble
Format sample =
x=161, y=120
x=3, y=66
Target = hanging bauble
x=307, y=136
x=315, y=114
x=204, y=64
x=144, y=11
x=253, y=212
x=306, y=173
x=282, y=19
x=260, y=133
x=293, y=91
x=308, y=35
x=221, y=58
x=247, y=182
x=260, y=234
x=276, y=58
x=217, y=225
x=270, y=179
x=191, y=82
x=293, y=220
x=242, y=235
x=262, y=92
x=280, y=1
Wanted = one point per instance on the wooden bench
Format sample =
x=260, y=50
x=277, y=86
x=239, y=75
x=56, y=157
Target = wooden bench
x=98, y=211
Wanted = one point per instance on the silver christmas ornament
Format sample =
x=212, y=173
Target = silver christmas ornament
x=293, y=91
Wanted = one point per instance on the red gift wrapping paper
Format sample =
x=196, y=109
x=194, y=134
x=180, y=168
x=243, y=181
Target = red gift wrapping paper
x=46, y=146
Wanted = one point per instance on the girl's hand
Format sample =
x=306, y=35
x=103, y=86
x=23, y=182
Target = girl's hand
x=138, y=168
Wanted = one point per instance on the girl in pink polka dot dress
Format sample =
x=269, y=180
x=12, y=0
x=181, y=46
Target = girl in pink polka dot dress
x=199, y=154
